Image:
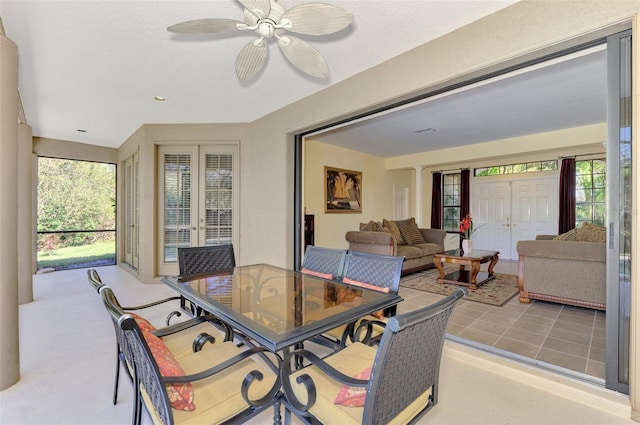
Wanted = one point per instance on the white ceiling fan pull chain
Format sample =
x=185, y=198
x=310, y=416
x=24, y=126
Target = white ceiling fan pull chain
x=284, y=40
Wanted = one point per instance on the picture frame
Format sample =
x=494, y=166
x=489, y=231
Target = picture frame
x=342, y=190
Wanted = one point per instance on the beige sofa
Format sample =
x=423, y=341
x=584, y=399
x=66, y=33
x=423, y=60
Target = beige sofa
x=563, y=271
x=418, y=256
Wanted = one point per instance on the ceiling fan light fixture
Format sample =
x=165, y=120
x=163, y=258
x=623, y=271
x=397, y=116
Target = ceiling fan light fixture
x=270, y=20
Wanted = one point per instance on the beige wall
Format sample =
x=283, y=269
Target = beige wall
x=377, y=192
x=380, y=175
x=145, y=142
x=54, y=148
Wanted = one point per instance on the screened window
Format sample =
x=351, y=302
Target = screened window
x=591, y=180
x=451, y=201
x=528, y=167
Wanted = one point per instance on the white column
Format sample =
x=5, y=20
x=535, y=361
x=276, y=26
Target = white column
x=9, y=349
x=418, y=195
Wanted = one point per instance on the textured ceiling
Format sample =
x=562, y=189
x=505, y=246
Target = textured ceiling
x=97, y=65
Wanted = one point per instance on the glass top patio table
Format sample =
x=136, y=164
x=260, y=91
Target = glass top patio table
x=277, y=307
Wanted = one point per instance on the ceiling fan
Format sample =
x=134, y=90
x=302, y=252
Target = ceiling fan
x=270, y=20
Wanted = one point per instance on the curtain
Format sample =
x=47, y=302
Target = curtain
x=567, y=195
x=465, y=193
x=436, y=201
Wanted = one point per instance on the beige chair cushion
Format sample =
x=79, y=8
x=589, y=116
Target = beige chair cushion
x=350, y=361
x=181, y=343
x=218, y=398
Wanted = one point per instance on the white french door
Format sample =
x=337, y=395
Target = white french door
x=505, y=212
x=198, y=199
x=131, y=211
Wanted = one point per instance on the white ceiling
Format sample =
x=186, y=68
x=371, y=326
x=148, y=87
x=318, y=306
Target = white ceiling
x=96, y=65
x=554, y=95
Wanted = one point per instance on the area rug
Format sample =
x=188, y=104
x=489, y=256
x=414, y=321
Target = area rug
x=495, y=292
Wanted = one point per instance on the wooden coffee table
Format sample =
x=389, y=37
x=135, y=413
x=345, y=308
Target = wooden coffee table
x=471, y=278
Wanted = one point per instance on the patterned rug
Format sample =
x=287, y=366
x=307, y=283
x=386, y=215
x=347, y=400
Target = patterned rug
x=495, y=292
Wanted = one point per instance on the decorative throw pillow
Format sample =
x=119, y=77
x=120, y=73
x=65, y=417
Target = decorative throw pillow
x=354, y=396
x=567, y=236
x=412, y=234
x=143, y=324
x=394, y=230
x=318, y=274
x=591, y=233
x=371, y=226
x=180, y=395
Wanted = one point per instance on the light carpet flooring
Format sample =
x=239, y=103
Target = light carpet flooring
x=67, y=355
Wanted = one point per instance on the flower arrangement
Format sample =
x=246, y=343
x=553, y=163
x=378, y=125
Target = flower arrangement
x=466, y=227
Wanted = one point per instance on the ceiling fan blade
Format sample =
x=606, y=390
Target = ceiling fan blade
x=304, y=56
x=251, y=59
x=252, y=5
x=205, y=26
x=317, y=19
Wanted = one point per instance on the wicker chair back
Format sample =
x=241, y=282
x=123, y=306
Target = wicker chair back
x=205, y=259
x=324, y=260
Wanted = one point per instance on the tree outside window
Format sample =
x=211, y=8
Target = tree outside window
x=591, y=183
x=451, y=201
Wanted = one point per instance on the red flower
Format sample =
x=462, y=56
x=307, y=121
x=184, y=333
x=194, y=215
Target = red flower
x=466, y=226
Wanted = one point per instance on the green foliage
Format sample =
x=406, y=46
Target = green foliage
x=74, y=195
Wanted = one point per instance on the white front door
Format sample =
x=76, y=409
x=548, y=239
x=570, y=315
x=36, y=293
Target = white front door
x=505, y=212
x=491, y=212
x=534, y=210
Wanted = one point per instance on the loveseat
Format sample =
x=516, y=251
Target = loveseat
x=568, y=269
x=399, y=238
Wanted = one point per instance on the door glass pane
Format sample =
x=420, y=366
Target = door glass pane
x=177, y=204
x=218, y=199
x=625, y=210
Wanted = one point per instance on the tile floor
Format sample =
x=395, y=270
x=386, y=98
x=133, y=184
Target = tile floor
x=564, y=336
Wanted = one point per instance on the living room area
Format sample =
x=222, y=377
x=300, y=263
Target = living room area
x=567, y=339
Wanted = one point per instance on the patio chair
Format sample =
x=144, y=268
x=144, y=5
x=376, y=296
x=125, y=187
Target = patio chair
x=372, y=271
x=201, y=260
x=220, y=384
x=96, y=282
x=396, y=381
x=182, y=338
x=324, y=262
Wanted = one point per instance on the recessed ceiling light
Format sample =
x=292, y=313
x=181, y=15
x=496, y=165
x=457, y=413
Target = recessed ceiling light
x=81, y=130
x=159, y=98
x=425, y=130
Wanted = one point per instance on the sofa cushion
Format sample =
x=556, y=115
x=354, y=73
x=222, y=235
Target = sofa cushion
x=412, y=234
x=591, y=233
x=410, y=251
x=429, y=248
x=392, y=227
x=567, y=236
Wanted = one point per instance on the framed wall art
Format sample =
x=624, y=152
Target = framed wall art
x=342, y=190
